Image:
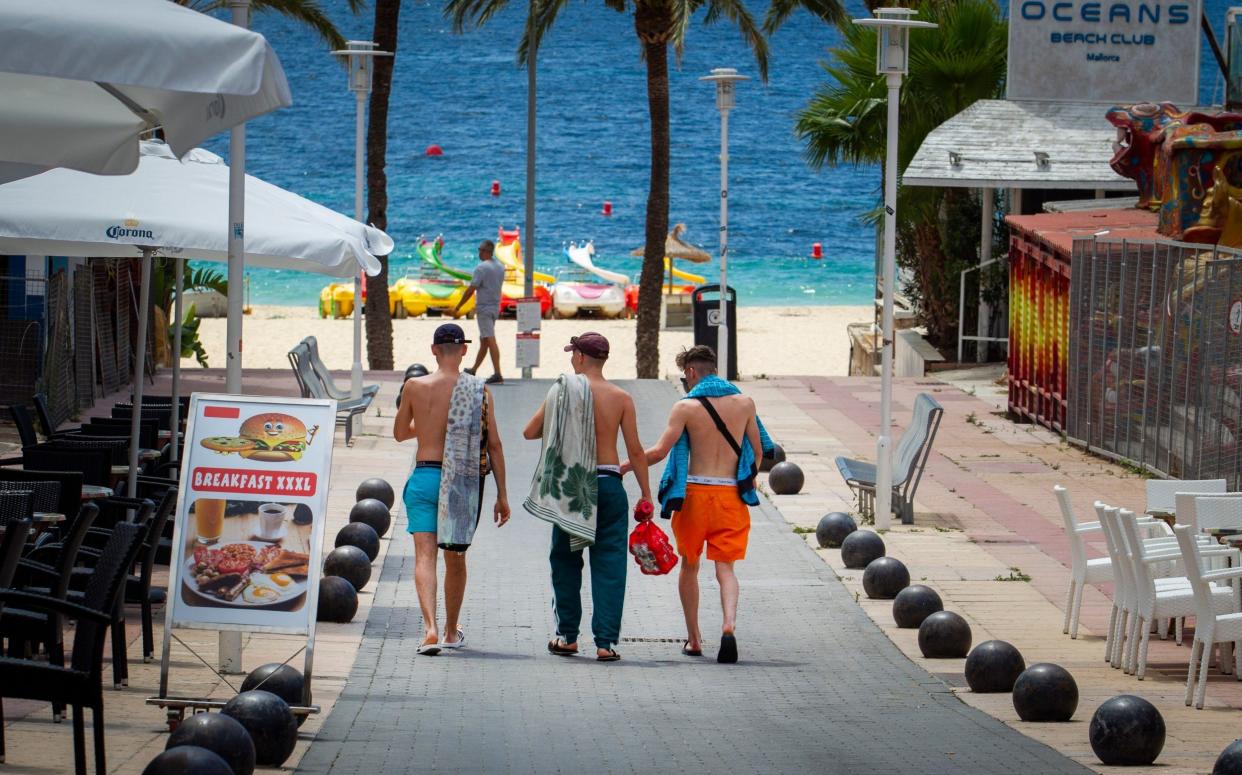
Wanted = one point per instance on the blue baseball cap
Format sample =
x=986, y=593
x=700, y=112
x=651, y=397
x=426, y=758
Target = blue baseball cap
x=450, y=333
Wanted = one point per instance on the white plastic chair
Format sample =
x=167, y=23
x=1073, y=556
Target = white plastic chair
x=1123, y=591
x=1162, y=493
x=1173, y=599
x=1082, y=569
x=1211, y=626
x=1186, y=512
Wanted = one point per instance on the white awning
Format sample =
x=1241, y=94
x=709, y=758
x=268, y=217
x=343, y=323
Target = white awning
x=1009, y=144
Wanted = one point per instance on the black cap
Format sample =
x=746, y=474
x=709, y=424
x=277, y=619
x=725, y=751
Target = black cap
x=450, y=333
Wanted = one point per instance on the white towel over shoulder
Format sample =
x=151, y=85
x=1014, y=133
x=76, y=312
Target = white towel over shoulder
x=565, y=489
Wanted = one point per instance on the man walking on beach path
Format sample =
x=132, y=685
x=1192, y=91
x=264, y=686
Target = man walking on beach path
x=577, y=487
x=708, y=484
x=452, y=415
x=485, y=283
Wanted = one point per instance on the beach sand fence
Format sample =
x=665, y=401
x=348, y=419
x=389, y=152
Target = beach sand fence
x=1156, y=356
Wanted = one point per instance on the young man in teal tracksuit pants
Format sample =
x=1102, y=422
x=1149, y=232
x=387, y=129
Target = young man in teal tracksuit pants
x=614, y=413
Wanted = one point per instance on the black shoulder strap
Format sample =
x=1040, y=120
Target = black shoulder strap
x=720, y=425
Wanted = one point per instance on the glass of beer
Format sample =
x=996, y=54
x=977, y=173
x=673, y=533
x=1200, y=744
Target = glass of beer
x=209, y=519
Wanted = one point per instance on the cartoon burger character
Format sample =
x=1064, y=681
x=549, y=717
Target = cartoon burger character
x=270, y=437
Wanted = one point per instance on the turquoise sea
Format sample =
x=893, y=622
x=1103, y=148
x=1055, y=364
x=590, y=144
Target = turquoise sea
x=466, y=94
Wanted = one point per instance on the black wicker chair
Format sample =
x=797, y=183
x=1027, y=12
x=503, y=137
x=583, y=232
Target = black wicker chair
x=138, y=586
x=16, y=504
x=11, y=545
x=47, y=570
x=44, y=495
x=79, y=684
x=45, y=415
x=25, y=424
x=95, y=465
x=69, y=499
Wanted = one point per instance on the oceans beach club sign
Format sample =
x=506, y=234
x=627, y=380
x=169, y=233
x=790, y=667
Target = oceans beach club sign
x=1104, y=50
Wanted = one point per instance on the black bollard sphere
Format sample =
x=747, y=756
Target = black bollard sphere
x=374, y=513
x=284, y=681
x=361, y=535
x=412, y=371
x=1230, y=760
x=1127, y=731
x=786, y=478
x=884, y=578
x=993, y=666
x=1045, y=692
x=338, y=600
x=222, y=735
x=378, y=489
x=914, y=604
x=350, y=563
x=832, y=529
x=860, y=548
x=944, y=635
x=188, y=760
x=270, y=723
x=778, y=456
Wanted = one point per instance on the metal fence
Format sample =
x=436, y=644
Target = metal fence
x=1156, y=356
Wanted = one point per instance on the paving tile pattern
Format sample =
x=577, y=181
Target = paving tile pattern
x=819, y=689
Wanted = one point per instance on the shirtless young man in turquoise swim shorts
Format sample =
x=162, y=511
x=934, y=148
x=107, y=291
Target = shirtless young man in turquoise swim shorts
x=423, y=415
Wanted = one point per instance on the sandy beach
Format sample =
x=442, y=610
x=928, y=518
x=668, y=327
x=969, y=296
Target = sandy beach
x=771, y=340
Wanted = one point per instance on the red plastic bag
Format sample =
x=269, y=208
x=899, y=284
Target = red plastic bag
x=651, y=549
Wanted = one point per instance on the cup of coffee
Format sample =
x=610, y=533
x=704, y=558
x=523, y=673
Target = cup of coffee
x=271, y=518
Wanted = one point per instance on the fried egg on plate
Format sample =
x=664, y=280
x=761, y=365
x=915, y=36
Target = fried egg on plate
x=265, y=588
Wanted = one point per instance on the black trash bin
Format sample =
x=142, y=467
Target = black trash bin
x=706, y=304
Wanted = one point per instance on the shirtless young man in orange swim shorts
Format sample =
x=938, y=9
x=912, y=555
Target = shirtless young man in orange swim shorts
x=712, y=512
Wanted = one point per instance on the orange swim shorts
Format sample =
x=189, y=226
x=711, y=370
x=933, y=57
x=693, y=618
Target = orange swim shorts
x=716, y=515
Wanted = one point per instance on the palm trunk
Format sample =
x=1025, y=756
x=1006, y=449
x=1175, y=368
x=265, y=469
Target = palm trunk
x=379, y=321
x=655, y=50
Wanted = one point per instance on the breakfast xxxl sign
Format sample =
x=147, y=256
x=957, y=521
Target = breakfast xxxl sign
x=250, y=516
x=1104, y=50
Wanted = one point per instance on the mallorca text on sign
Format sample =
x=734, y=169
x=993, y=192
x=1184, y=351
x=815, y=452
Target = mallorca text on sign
x=1104, y=50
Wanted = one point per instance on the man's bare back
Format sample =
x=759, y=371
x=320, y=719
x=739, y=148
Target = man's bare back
x=423, y=413
x=611, y=404
x=710, y=454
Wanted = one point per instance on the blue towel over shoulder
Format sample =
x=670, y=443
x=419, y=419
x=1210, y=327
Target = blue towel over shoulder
x=673, y=483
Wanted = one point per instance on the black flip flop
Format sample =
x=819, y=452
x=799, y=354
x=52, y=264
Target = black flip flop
x=611, y=656
x=689, y=652
x=728, y=650
x=558, y=648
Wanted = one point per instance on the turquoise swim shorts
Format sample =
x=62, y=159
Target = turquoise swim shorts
x=422, y=499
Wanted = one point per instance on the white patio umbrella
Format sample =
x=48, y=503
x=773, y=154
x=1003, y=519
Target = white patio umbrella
x=175, y=208
x=80, y=80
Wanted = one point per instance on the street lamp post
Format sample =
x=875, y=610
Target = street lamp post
x=891, y=60
x=361, y=55
x=725, y=78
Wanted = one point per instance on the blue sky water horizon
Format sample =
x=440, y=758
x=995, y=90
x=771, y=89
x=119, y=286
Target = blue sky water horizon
x=466, y=94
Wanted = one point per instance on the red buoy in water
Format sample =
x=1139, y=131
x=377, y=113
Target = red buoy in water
x=495, y=188
x=434, y=150
x=817, y=251
x=607, y=207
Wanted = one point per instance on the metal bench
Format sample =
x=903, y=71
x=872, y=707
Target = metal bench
x=313, y=387
x=325, y=377
x=909, y=460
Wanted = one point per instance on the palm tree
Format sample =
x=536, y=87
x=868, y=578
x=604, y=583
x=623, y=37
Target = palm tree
x=379, y=321
x=658, y=24
x=950, y=68
x=307, y=12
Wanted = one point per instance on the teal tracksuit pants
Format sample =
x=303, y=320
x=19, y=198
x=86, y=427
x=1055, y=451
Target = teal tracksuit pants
x=608, y=568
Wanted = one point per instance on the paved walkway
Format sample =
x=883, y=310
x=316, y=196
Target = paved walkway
x=820, y=687
x=988, y=537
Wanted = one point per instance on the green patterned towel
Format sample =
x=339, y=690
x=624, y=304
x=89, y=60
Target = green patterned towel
x=565, y=489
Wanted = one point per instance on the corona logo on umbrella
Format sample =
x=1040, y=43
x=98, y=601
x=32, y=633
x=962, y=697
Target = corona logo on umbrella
x=271, y=437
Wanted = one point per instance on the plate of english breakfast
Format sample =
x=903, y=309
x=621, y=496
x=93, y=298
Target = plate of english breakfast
x=245, y=574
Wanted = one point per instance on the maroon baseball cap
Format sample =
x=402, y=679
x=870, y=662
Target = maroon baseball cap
x=590, y=344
